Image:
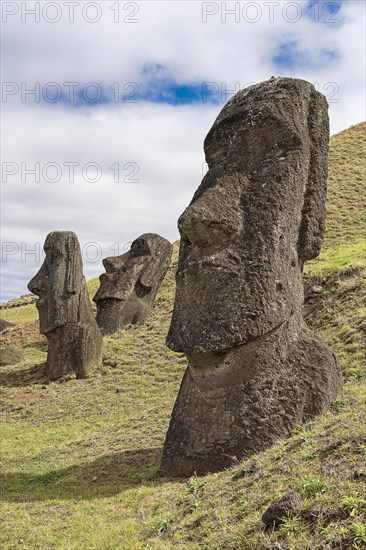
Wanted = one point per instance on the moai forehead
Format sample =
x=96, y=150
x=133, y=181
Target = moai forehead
x=257, y=215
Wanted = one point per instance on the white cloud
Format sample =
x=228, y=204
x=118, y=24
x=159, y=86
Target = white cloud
x=164, y=141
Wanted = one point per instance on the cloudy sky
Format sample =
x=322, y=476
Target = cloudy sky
x=105, y=106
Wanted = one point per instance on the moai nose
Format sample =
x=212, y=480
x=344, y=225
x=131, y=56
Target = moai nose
x=112, y=263
x=208, y=220
x=37, y=285
x=196, y=227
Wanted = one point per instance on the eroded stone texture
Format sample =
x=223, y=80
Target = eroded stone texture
x=288, y=505
x=255, y=369
x=128, y=288
x=65, y=313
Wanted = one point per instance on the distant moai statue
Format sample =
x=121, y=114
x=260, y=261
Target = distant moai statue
x=255, y=369
x=128, y=288
x=65, y=314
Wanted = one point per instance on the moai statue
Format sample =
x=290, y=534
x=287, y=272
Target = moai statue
x=254, y=368
x=65, y=313
x=128, y=288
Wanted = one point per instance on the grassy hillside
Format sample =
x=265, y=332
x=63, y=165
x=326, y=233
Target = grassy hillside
x=346, y=209
x=344, y=242
x=80, y=459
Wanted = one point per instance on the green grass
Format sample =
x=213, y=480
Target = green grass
x=80, y=459
x=335, y=259
x=20, y=315
x=346, y=187
x=338, y=315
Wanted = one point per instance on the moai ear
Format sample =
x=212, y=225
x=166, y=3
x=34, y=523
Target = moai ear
x=157, y=265
x=312, y=225
x=149, y=275
x=74, y=265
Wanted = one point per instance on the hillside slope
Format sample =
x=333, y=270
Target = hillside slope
x=80, y=459
x=346, y=209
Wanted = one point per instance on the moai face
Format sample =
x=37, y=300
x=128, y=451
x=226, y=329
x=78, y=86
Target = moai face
x=59, y=281
x=257, y=215
x=129, y=286
x=123, y=271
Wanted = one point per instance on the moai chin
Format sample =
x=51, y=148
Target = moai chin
x=254, y=368
x=65, y=313
x=128, y=288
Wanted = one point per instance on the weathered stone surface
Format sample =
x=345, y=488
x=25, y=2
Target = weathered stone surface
x=255, y=370
x=288, y=505
x=5, y=324
x=10, y=355
x=65, y=313
x=128, y=288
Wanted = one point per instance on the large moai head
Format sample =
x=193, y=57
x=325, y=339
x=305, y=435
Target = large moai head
x=59, y=282
x=254, y=369
x=128, y=288
x=257, y=215
x=65, y=313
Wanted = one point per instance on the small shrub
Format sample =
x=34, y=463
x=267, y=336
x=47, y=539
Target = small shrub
x=279, y=453
x=308, y=455
x=353, y=504
x=196, y=506
x=362, y=449
x=139, y=477
x=290, y=525
x=336, y=405
x=333, y=532
x=303, y=434
x=182, y=497
x=163, y=525
x=194, y=484
x=312, y=486
x=158, y=504
x=358, y=534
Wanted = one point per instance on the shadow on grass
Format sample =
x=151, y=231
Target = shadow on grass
x=18, y=377
x=104, y=477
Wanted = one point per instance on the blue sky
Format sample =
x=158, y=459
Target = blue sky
x=290, y=57
x=332, y=10
x=151, y=88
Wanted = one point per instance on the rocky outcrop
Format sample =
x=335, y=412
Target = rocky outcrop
x=287, y=506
